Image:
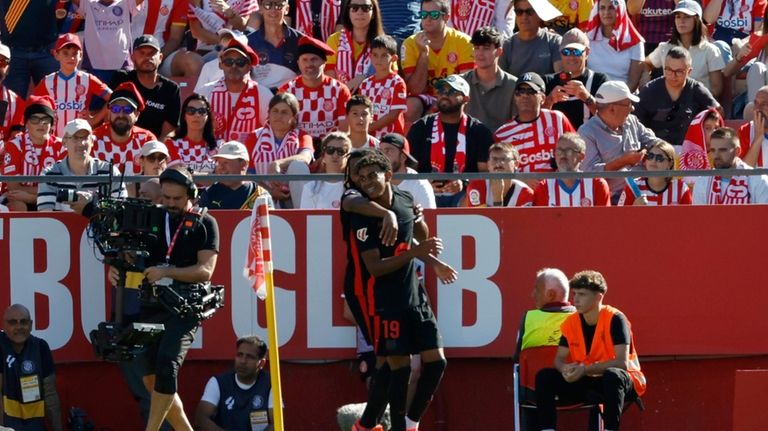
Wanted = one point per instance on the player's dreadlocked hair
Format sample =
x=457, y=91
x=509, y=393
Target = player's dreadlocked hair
x=374, y=159
x=352, y=160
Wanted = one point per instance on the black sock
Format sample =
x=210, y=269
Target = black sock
x=377, y=397
x=431, y=374
x=398, y=392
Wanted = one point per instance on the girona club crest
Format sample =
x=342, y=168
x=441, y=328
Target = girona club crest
x=245, y=114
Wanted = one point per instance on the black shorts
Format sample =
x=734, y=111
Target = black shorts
x=406, y=332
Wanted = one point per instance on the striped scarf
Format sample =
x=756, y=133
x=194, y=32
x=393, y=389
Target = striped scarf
x=235, y=123
x=624, y=36
x=329, y=14
x=346, y=66
x=469, y=15
x=265, y=150
x=694, y=152
x=437, y=149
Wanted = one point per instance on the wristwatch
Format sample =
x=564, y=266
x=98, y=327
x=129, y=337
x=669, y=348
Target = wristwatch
x=590, y=101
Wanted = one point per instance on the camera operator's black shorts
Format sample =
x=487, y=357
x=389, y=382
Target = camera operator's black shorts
x=164, y=357
x=407, y=332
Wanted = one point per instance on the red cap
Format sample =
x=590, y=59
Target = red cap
x=128, y=92
x=39, y=105
x=310, y=45
x=244, y=49
x=68, y=39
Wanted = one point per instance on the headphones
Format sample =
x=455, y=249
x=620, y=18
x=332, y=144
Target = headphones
x=182, y=177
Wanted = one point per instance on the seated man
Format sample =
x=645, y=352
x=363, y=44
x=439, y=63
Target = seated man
x=724, y=148
x=28, y=382
x=500, y=192
x=754, y=134
x=571, y=192
x=240, y=399
x=397, y=149
x=275, y=43
x=597, y=340
x=232, y=159
x=532, y=48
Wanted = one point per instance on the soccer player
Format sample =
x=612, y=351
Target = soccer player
x=385, y=88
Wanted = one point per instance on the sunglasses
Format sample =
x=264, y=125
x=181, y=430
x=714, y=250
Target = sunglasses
x=354, y=7
x=446, y=90
x=659, y=158
x=529, y=12
x=568, y=52
x=42, y=119
x=191, y=110
x=335, y=150
x=525, y=91
x=275, y=5
x=126, y=109
x=431, y=14
x=239, y=62
x=155, y=158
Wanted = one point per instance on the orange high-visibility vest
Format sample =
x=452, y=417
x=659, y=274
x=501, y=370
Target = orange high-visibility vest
x=602, y=344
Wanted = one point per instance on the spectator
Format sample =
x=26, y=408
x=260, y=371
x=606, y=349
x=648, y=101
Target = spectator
x=615, y=44
x=385, y=88
x=322, y=194
x=211, y=70
x=657, y=190
x=322, y=98
x=78, y=140
x=396, y=148
x=207, y=17
x=30, y=32
x=689, y=32
x=654, y=21
x=534, y=131
x=755, y=153
x=571, y=192
x=500, y=192
x=154, y=160
x=72, y=89
x=316, y=19
x=574, y=15
x=450, y=141
x=248, y=383
x=232, y=159
x=359, y=118
x=120, y=140
x=28, y=153
x=149, y=191
x=668, y=103
x=276, y=44
x=29, y=380
x=490, y=88
x=532, y=48
x=432, y=54
x=11, y=105
x=729, y=190
x=351, y=61
x=605, y=363
x=239, y=104
x=275, y=147
x=616, y=139
x=400, y=18
x=468, y=16
x=571, y=91
x=107, y=34
x=733, y=19
x=161, y=95
x=753, y=61
x=696, y=143
x=193, y=143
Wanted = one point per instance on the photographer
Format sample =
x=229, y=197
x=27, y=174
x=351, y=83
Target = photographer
x=184, y=253
x=60, y=195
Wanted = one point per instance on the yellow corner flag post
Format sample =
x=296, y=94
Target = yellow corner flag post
x=258, y=270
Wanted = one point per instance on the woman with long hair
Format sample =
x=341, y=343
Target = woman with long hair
x=653, y=190
x=690, y=33
x=322, y=194
x=193, y=143
x=361, y=22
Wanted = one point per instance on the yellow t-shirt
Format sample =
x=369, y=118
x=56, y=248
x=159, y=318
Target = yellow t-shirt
x=454, y=57
x=575, y=12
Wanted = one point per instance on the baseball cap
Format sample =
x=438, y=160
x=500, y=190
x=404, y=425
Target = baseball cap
x=127, y=91
x=456, y=82
x=397, y=140
x=146, y=40
x=5, y=51
x=575, y=45
x=533, y=80
x=68, y=39
x=242, y=48
x=233, y=150
x=688, y=7
x=234, y=34
x=152, y=147
x=613, y=91
x=77, y=125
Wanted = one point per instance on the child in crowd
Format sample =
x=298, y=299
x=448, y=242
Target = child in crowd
x=385, y=88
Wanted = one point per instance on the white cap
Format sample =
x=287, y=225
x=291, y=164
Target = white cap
x=5, y=51
x=232, y=150
x=577, y=45
x=152, y=147
x=613, y=91
x=75, y=125
x=457, y=82
x=234, y=34
x=688, y=7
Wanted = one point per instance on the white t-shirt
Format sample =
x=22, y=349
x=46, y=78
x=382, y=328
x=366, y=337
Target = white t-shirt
x=322, y=195
x=603, y=58
x=212, y=394
x=705, y=58
x=420, y=189
x=211, y=72
x=108, y=38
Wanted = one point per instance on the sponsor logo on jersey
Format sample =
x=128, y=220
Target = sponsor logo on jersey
x=71, y=105
x=474, y=197
x=586, y=202
x=362, y=234
x=541, y=156
x=733, y=23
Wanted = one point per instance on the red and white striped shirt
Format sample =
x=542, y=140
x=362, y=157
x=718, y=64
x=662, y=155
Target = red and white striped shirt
x=469, y=15
x=329, y=14
x=14, y=112
x=535, y=141
x=479, y=194
x=321, y=108
x=126, y=156
x=22, y=157
x=676, y=193
x=387, y=95
x=194, y=155
x=264, y=150
x=157, y=16
x=234, y=119
x=584, y=193
x=72, y=94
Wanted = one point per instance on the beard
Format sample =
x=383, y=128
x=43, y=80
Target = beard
x=448, y=108
x=121, y=127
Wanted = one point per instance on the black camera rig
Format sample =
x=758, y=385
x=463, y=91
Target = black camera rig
x=196, y=300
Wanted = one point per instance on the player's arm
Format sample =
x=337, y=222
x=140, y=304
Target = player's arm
x=203, y=414
x=359, y=204
x=198, y=273
x=378, y=266
x=52, y=403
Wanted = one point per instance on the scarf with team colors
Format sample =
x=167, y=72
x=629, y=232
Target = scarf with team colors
x=469, y=15
x=227, y=124
x=437, y=149
x=625, y=35
x=694, y=152
x=265, y=149
x=213, y=21
x=329, y=14
x=346, y=66
x=735, y=193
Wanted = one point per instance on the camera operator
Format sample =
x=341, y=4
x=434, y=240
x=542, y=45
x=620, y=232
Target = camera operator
x=185, y=253
x=61, y=195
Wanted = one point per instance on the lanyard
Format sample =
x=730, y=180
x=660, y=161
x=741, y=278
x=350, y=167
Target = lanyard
x=171, y=242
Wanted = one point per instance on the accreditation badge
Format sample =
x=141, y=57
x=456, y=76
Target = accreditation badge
x=30, y=389
x=259, y=420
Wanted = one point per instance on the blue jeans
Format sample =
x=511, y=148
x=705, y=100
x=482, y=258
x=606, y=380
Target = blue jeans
x=26, y=63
